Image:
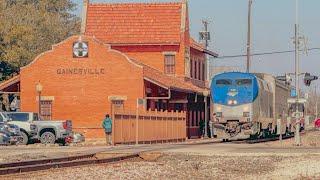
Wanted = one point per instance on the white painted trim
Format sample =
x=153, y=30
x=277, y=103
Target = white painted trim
x=45, y=98
x=169, y=53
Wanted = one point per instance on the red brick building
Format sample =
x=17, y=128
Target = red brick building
x=132, y=51
x=157, y=35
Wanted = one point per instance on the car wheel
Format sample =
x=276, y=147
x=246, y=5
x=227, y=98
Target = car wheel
x=47, y=138
x=24, y=140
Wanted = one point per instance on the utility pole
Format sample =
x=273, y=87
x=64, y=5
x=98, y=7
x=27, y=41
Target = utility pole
x=249, y=37
x=205, y=35
x=206, y=38
x=296, y=44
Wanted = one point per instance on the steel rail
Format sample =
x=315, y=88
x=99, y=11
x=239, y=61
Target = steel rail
x=29, y=166
x=46, y=161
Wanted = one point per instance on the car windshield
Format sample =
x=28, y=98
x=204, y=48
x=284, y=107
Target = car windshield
x=241, y=82
x=6, y=116
x=223, y=82
x=19, y=116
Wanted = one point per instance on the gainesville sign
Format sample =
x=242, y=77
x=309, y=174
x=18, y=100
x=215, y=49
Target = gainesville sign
x=80, y=71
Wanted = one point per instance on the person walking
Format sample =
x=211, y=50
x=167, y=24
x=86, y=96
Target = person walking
x=107, y=126
x=212, y=120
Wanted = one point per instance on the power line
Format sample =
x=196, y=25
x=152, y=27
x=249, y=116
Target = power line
x=263, y=53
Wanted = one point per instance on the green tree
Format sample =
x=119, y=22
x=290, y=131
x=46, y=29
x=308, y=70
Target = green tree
x=30, y=27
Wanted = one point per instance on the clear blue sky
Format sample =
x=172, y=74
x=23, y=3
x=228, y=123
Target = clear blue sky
x=273, y=27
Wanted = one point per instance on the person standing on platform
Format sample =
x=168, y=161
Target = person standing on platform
x=107, y=126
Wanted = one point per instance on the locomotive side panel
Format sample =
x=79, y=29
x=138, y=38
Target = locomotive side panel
x=282, y=94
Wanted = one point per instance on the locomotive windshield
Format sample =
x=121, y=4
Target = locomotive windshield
x=223, y=82
x=244, y=82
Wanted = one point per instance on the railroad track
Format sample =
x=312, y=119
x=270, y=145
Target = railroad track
x=254, y=141
x=44, y=164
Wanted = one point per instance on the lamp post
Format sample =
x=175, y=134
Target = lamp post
x=205, y=96
x=39, y=90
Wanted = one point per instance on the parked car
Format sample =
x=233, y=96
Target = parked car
x=4, y=138
x=28, y=130
x=78, y=138
x=10, y=133
x=48, y=132
x=317, y=124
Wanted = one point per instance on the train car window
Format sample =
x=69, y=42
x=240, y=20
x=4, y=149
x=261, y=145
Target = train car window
x=241, y=82
x=223, y=82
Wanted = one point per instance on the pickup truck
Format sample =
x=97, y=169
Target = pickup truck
x=49, y=131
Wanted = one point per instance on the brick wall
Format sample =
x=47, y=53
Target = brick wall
x=81, y=98
x=153, y=55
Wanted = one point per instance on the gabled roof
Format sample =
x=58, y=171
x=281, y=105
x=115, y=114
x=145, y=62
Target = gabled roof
x=135, y=23
x=200, y=47
x=157, y=77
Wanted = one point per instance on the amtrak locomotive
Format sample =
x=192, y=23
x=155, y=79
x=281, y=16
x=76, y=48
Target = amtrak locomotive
x=248, y=105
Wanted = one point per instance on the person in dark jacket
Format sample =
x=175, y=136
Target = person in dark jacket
x=107, y=126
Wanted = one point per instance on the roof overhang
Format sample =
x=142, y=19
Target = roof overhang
x=156, y=83
x=9, y=82
x=211, y=53
x=144, y=44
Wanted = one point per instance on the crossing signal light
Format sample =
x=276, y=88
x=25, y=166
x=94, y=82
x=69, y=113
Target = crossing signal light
x=308, y=78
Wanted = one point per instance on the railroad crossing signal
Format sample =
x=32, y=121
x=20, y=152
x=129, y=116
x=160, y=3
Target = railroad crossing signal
x=308, y=78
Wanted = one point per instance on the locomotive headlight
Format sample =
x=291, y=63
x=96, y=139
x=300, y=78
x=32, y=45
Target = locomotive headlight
x=235, y=102
x=229, y=102
x=219, y=108
x=246, y=114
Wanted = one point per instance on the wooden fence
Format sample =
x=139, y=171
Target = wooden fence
x=149, y=127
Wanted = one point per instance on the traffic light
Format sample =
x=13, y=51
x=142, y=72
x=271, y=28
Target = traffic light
x=308, y=78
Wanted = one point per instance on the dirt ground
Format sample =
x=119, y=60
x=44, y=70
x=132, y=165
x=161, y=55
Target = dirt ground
x=308, y=139
x=185, y=166
x=271, y=160
x=23, y=153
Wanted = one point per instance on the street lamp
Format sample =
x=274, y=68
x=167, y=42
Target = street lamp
x=205, y=94
x=39, y=88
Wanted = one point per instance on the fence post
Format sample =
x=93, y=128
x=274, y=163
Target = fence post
x=172, y=125
x=137, y=123
x=177, y=125
x=114, y=123
x=155, y=134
